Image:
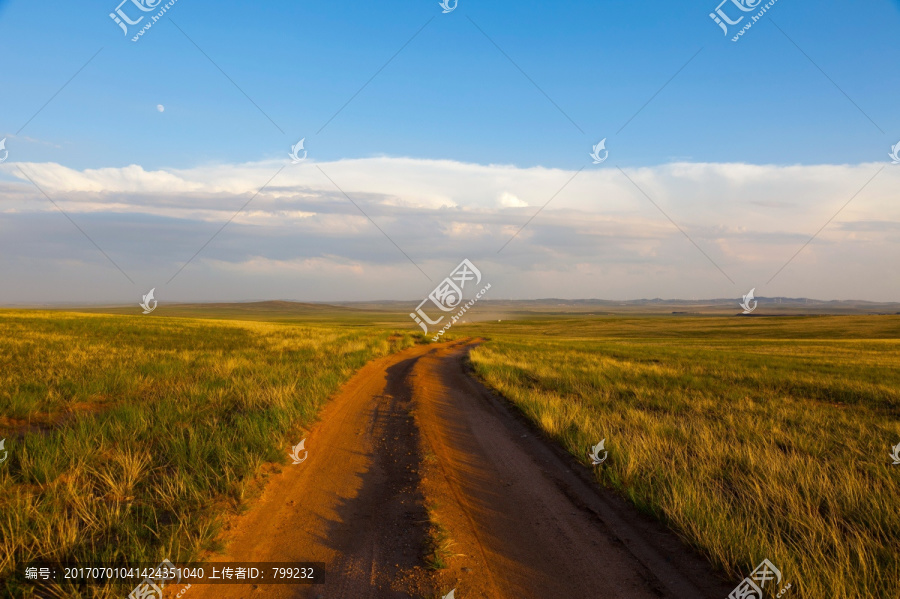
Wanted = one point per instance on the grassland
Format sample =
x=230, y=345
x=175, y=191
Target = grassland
x=753, y=437
x=129, y=437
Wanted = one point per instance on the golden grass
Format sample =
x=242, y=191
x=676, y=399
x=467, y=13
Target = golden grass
x=129, y=437
x=762, y=438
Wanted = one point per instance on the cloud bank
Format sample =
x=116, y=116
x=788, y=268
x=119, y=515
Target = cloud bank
x=327, y=231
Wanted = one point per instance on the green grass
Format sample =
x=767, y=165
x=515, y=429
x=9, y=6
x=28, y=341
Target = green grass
x=753, y=438
x=438, y=545
x=129, y=437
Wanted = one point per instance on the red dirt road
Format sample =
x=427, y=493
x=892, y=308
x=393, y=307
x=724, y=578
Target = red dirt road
x=522, y=519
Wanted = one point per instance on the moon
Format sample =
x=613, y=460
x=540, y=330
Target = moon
x=160, y=107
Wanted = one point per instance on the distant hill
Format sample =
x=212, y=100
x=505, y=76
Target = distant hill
x=771, y=306
x=396, y=312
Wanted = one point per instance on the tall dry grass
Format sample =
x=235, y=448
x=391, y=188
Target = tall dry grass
x=752, y=438
x=129, y=437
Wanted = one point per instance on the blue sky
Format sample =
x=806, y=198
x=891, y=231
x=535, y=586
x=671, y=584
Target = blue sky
x=450, y=94
x=748, y=147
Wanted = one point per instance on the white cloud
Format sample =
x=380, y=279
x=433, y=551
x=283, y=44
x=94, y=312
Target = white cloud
x=508, y=200
x=600, y=236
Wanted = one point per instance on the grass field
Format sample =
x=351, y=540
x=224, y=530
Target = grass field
x=753, y=437
x=129, y=437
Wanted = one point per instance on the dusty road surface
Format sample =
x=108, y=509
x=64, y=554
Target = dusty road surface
x=517, y=518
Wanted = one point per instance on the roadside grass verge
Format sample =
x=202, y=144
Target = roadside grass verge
x=129, y=437
x=753, y=438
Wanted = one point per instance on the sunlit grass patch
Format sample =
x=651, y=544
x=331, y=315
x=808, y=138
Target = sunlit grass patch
x=128, y=437
x=762, y=438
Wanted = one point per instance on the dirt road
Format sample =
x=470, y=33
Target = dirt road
x=519, y=518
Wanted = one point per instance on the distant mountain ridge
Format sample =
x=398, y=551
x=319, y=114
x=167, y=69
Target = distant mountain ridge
x=493, y=308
